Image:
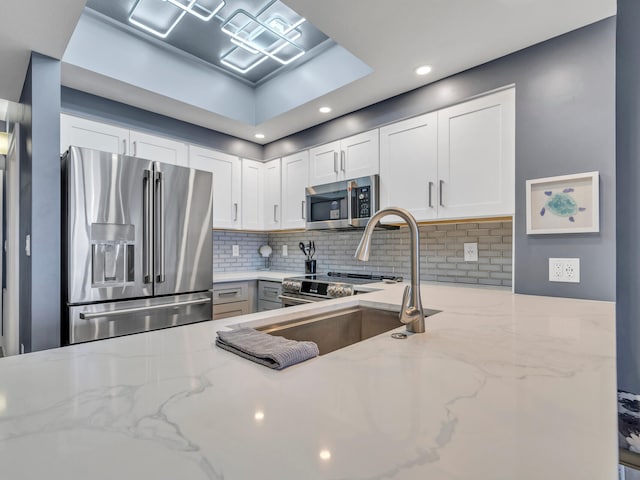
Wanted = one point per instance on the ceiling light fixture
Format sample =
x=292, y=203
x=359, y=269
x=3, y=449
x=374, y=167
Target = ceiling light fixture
x=423, y=70
x=190, y=6
x=324, y=109
x=259, y=135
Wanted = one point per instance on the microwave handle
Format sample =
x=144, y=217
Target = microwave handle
x=350, y=188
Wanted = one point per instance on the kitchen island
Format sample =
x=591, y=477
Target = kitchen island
x=500, y=387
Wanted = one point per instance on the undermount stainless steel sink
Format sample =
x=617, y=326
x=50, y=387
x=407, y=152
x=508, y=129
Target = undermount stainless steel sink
x=338, y=329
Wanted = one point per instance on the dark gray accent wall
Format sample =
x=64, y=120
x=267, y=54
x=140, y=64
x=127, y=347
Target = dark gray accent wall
x=40, y=310
x=84, y=104
x=628, y=197
x=565, y=123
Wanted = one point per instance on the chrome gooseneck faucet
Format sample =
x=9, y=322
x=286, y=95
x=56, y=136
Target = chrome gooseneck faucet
x=411, y=313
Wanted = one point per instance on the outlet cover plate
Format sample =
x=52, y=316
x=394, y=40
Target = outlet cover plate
x=471, y=252
x=236, y=251
x=285, y=250
x=566, y=270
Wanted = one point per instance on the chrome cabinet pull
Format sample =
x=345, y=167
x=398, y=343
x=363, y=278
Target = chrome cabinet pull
x=125, y=311
x=275, y=213
x=147, y=226
x=441, y=183
x=135, y=148
x=235, y=212
x=304, y=217
x=430, y=189
x=335, y=162
x=343, y=160
x=233, y=293
x=124, y=146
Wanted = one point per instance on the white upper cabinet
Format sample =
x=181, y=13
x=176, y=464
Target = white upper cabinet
x=89, y=134
x=252, y=195
x=272, y=189
x=409, y=166
x=158, y=149
x=476, y=157
x=227, y=184
x=352, y=157
x=295, y=178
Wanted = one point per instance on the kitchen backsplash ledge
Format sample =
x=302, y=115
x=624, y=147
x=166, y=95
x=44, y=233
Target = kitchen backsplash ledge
x=441, y=252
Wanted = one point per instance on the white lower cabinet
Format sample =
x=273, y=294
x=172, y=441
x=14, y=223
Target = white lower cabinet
x=252, y=195
x=295, y=178
x=231, y=299
x=158, y=149
x=272, y=190
x=458, y=162
x=269, y=295
x=227, y=184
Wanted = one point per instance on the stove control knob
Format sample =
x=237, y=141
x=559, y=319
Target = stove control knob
x=291, y=285
x=336, y=291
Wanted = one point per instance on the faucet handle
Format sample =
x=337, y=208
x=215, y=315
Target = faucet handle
x=405, y=297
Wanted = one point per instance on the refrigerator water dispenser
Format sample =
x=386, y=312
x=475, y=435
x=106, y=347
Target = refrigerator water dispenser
x=112, y=254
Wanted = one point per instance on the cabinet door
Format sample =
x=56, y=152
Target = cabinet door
x=227, y=184
x=409, y=167
x=360, y=155
x=295, y=176
x=89, y=134
x=324, y=164
x=158, y=149
x=476, y=157
x=252, y=195
x=272, y=188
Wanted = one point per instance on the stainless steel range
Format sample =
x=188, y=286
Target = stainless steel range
x=315, y=288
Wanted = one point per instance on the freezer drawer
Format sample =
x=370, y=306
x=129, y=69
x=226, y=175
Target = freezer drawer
x=104, y=320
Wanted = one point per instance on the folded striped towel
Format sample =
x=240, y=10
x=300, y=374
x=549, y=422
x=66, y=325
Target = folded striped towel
x=273, y=352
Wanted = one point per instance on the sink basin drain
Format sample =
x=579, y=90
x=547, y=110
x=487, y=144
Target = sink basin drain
x=399, y=336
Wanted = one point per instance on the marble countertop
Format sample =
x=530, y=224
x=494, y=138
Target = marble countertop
x=501, y=387
x=272, y=275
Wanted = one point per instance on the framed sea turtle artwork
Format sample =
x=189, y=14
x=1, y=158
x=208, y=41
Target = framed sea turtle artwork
x=564, y=204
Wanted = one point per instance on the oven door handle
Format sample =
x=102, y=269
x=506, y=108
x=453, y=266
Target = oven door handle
x=296, y=299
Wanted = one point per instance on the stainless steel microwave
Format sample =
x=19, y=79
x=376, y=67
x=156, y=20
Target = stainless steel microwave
x=343, y=204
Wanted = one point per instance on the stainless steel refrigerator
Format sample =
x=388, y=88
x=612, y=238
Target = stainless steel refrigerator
x=138, y=242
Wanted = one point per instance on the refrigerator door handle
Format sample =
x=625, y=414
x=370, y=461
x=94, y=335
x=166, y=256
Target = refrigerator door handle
x=147, y=227
x=125, y=311
x=160, y=231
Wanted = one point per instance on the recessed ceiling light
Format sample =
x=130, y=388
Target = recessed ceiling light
x=259, y=135
x=324, y=109
x=423, y=70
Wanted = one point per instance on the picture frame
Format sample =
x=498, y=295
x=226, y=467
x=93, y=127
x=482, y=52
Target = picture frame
x=563, y=204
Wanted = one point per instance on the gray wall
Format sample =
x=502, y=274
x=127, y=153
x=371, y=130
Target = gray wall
x=565, y=123
x=627, y=180
x=102, y=109
x=40, y=308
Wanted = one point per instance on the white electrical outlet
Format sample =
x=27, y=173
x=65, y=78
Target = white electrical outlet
x=564, y=270
x=235, y=250
x=285, y=251
x=470, y=252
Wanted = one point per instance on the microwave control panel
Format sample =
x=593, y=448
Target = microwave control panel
x=363, y=202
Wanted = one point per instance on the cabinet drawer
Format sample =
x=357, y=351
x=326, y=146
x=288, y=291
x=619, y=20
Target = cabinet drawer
x=230, y=292
x=269, y=291
x=226, y=310
x=264, y=305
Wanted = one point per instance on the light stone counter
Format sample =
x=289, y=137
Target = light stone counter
x=501, y=387
x=270, y=275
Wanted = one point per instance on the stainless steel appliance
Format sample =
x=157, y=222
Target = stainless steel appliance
x=138, y=250
x=344, y=204
x=315, y=288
